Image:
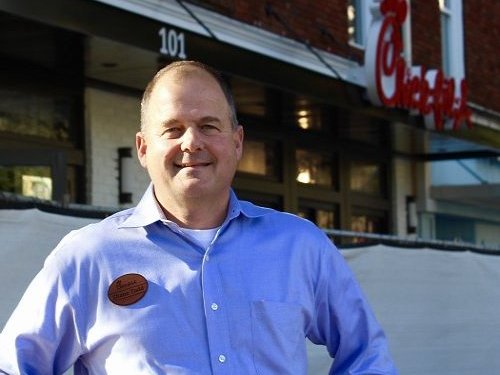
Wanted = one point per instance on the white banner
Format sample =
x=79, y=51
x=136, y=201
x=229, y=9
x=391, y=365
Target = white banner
x=440, y=309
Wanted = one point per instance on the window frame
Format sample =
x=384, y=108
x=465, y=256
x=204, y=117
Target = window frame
x=362, y=10
x=452, y=38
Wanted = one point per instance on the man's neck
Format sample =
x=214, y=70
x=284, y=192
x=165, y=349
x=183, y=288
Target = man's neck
x=196, y=213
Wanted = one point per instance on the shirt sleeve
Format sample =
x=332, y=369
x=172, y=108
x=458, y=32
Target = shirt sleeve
x=345, y=323
x=41, y=336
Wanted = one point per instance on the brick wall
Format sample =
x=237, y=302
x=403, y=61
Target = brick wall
x=426, y=33
x=482, y=57
x=307, y=18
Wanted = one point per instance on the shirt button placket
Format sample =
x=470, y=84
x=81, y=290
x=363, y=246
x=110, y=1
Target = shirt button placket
x=217, y=326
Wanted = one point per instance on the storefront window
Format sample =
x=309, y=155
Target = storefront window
x=250, y=98
x=368, y=222
x=323, y=218
x=363, y=223
x=314, y=168
x=366, y=177
x=304, y=113
x=364, y=129
x=41, y=79
x=307, y=119
x=30, y=181
x=261, y=199
x=29, y=113
x=259, y=158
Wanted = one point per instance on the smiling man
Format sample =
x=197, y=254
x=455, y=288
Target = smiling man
x=190, y=143
x=192, y=281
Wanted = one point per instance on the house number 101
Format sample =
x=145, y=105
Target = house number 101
x=172, y=43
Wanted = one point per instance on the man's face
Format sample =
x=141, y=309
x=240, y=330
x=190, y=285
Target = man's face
x=188, y=144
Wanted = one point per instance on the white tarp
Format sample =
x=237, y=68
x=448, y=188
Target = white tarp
x=440, y=309
x=26, y=238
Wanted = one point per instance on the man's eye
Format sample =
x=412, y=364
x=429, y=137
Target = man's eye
x=172, y=132
x=209, y=129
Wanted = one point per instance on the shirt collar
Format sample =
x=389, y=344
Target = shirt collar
x=148, y=211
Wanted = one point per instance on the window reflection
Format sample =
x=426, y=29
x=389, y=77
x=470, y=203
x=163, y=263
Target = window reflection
x=309, y=119
x=368, y=223
x=364, y=129
x=259, y=158
x=35, y=114
x=304, y=113
x=313, y=168
x=366, y=177
x=28, y=181
x=323, y=218
x=304, y=120
x=363, y=223
x=261, y=199
x=37, y=186
x=354, y=22
x=250, y=98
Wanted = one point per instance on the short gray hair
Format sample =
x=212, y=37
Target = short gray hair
x=223, y=84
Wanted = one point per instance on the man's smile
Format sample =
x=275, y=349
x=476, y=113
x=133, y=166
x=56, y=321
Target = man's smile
x=192, y=164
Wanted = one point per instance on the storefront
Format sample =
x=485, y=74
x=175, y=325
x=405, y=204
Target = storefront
x=72, y=79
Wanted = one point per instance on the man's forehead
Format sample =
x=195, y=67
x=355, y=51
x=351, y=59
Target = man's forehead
x=167, y=86
x=181, y=73
x=172, y=81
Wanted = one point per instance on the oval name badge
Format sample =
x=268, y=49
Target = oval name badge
x=127, y=289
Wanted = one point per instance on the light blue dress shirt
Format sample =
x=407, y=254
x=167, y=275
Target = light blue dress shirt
x=243, y=305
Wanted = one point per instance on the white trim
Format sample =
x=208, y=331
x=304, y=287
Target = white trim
x=485, y=122
x=456, y=39
x=366, y=18
x=485, y=117
x=407, y=46
x=242, y=35
x=362, y=11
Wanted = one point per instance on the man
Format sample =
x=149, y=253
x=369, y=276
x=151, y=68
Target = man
x=192, y=280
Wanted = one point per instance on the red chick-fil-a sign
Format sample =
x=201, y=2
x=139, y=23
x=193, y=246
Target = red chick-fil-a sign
x=391, y=83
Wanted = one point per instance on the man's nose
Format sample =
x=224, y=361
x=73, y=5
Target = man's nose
x=191, y=140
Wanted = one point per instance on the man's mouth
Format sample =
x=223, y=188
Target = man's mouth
x=192, y=164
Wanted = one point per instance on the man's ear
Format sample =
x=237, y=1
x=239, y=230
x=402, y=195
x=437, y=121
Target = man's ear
x=238, y=139
x=141, y=146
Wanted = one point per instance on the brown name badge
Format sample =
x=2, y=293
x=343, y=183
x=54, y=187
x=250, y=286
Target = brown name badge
x=127, y=289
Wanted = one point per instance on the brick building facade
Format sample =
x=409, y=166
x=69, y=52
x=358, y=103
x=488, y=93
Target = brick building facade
x=74, y=70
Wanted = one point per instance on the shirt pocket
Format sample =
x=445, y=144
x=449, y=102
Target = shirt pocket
x=278, y=338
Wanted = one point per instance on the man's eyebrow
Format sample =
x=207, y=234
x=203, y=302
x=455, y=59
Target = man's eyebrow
x=174, y=122
x=209, y=119
x=169, y=123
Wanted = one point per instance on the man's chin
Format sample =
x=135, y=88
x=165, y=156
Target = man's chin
x=188, y=173
x=193, y=187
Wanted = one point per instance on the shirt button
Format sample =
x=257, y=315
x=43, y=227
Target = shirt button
x=222, y=358
x=214, y=306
